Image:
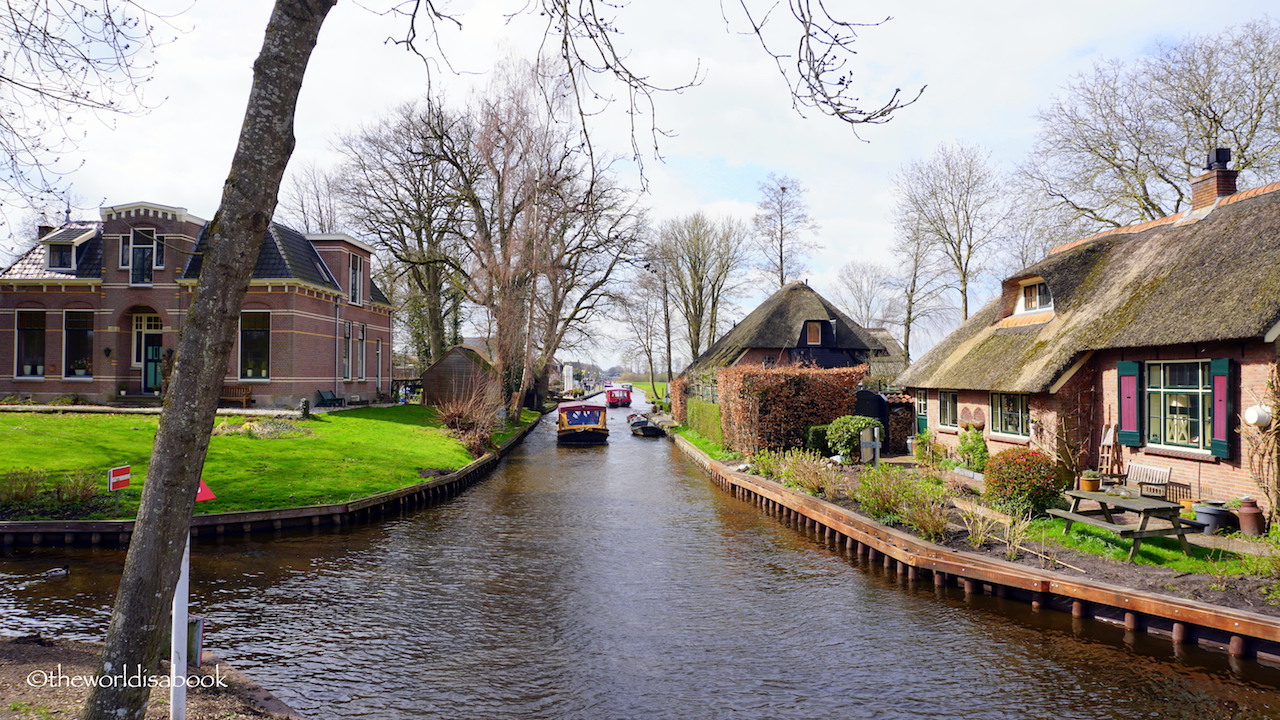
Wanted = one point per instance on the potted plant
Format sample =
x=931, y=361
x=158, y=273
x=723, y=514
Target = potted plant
x=1090, y=480
x=81, y=366
x=121, y=389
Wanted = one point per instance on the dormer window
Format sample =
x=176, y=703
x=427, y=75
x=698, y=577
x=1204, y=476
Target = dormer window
x=60, y=255
x=1035, y=297
x=813, y=332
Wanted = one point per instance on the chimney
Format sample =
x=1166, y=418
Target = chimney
x=43, y=230
x=1218, y=182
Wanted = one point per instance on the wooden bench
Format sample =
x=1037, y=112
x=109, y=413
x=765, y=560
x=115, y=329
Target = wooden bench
x=242, y=394
x=328, y=399
x=1088, y=517
x=1151, y=481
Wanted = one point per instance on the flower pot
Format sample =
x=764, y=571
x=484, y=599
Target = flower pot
x=1189, y=504
x=1214, y=516
x=79, y=371
x=1090, y=484
x=1251, y=520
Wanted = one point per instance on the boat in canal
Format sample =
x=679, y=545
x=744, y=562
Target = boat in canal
x=582, y=423
x=618, y=396
x=643, y=426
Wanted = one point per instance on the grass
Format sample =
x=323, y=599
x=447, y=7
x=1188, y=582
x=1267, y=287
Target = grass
x=1160, y=551
x=710, y=447
x=652, y=391
x=346, y=455
x=526, y=417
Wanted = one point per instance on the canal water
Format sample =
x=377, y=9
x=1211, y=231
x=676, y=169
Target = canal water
x=618, y=582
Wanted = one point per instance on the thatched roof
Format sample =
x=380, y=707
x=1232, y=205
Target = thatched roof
x=1176, y=281
x=779, y=323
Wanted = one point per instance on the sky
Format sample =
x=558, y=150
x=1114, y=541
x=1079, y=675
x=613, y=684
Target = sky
x=987, y=66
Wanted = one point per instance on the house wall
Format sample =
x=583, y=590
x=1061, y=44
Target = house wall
x=1088, y=404
x=452, y=378
x=756, y=356
x=1209, y=477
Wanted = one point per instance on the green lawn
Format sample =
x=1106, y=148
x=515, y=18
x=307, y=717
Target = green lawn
x=652, y=391
x=710, y=447
x=1162, y=551
x=347, y=455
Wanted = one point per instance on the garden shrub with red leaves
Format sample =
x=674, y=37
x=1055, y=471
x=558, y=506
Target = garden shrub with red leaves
x=678, y=389
x=1022, y=479
x=772, y=408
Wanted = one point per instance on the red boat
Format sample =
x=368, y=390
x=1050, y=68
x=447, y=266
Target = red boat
x=618, y=396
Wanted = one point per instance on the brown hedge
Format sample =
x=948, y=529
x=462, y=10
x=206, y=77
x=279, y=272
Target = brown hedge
x=770, y=408
x=679, y=392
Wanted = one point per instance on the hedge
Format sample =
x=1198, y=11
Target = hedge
x=771, y=408
x=704, y=419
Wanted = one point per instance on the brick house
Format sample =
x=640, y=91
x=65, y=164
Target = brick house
x=1150, y=338
x=95, y=309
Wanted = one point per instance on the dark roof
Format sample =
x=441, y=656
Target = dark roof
x=286, y=253
x=1181, y=280
x=778, y=323
x=31, y=266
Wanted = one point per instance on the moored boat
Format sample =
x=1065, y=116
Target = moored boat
x=581, y=423
x=643, y=426
x=618, y=396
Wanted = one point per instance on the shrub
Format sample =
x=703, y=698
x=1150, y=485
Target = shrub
x=807, y=471
x=973, y=450
x=767, y=463
x=844, y=434
x=1022, y=478
x=815, y=439
x=704, y=419
x=78, y=487
x=881, y=490
x=67, y=399
x=773, y=407
x=926, y=507
x=21, y=485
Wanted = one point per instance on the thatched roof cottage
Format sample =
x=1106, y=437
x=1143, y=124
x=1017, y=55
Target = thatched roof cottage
x=1144, y=341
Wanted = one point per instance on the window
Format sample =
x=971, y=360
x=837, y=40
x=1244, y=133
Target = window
x=1035, y=296
x=360, y=353
x=948, y=408
x=813, y=332
x=142, y=254
x=1178, y=404
x=769, y=361
x=922, y=402
x=77, y=341
x=346, y=350
x=377, y=368
x=1010, y=415
x=30, y=355
x=60, y=256
x=255, y=345
x=357, y=279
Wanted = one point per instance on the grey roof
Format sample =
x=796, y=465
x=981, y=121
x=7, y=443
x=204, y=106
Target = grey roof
x=286, y=253
x=31, y=266
x=1162, y=283
x=779, y=322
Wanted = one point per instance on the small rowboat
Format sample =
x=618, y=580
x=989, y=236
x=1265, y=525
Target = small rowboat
x=643, y=426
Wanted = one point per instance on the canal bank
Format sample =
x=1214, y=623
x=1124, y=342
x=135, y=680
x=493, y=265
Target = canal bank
x=116, y=533
x=1240, y=633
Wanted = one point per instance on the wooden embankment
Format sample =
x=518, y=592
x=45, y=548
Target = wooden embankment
x=366, y=509
x=1241, y=633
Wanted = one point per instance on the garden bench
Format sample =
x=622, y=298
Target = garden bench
x=328, y=399
x=242, y=394
x=1151, y=481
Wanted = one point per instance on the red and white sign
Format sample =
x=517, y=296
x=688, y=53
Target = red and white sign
x=204, y=493
x=118, y=478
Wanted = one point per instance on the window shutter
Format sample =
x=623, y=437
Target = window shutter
x=1129, y=430
x=1223, y=408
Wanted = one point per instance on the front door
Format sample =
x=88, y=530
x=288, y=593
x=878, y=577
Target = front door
x=922, y=410
x=152, y=376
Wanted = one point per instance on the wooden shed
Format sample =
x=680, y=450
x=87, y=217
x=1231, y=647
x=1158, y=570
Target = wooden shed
x=457, y=374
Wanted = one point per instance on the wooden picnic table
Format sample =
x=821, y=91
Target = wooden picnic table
x=1146, y=507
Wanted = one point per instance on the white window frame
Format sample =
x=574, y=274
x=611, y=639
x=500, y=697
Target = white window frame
x=48, y=256
x=362, y=359
x=997, y=413
x=355, y=277
x=346, y=346
x=143, y=325
x=68, y=373
x=39, y=370
x=240, y=340
x=954, y=397
x=1020, y=307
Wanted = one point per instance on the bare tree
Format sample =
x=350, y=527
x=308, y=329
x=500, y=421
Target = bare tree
x=781, y=227
x=641, y=313
x=865, y=290
x=1118, y=146
x=232, y=241
x=60, y=60
x=1034, y=226
x=954, y=202
x=704, y=260
x=310, y=201
x=400, y=189
x=919, y=284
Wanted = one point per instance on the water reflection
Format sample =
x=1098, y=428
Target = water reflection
x=616, y=582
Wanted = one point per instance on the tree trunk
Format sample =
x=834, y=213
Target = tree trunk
x=233, y=240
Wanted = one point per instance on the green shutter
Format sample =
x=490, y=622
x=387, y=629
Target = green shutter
x=1223, y=416
x=1129, y=396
